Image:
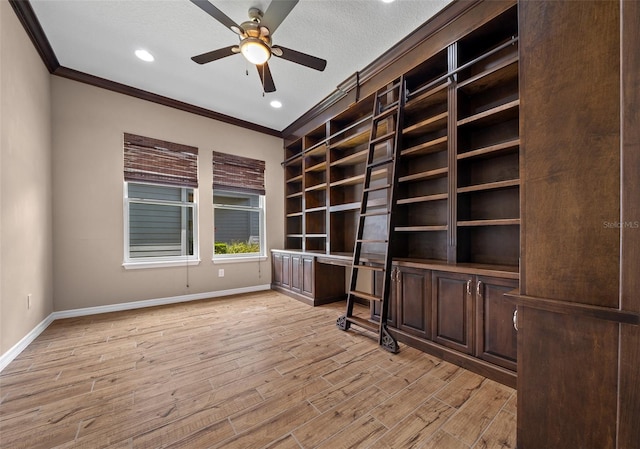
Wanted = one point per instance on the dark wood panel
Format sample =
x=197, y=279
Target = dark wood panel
x=630, y=217
x=414, y=301
x=496, y=337
x=286, y=270
x=629, y=401
x=296, y=273
x=307, y=285
x=276, y=263
x=570, y=146
x=628, y=429
x=453, y=310
x=567, y=381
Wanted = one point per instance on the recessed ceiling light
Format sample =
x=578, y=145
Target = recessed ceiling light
x=144, y=55
x=387, y=1
x=275, y=104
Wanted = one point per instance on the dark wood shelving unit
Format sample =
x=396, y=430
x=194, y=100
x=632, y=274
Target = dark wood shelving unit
x=457, y=210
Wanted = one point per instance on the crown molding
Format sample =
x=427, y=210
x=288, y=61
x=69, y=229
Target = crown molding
x=31, y=25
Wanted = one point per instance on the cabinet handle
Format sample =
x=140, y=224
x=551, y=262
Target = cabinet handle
x=515, y=319
x=469, y=287
x=479, y=289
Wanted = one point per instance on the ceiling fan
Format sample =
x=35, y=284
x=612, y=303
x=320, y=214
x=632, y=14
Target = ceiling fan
x=255, y=39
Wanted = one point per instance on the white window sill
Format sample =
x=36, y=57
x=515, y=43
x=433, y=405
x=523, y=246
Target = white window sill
x=160, y=264
x=219, y=260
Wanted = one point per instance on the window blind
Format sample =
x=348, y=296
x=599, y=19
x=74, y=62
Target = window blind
x=159, y=162
x=237, y=173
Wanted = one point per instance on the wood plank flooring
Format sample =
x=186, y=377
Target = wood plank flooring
x=251, y=371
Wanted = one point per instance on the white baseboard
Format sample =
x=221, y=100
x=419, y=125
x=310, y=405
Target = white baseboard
x=15, y=351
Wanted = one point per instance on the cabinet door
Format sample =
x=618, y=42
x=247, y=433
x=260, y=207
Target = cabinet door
x=276, y=263
x=307, y=276
x=453, y=310
x=414, y=301
x=286, y=271
x=377, y=290
x=296, y=273
x=496, y=336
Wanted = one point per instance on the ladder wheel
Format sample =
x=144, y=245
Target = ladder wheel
x=388, y=342
x=343, y=323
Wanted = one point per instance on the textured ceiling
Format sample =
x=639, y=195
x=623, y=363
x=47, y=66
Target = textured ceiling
x=99, y=38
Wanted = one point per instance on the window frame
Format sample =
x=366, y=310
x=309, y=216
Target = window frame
x=162, y=261
x=261, y=209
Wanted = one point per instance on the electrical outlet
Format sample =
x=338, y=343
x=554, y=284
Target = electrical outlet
x=29, y=301
x=221, y=273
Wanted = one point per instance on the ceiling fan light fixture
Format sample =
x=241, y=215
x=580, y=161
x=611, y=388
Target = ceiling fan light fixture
x=255, y=50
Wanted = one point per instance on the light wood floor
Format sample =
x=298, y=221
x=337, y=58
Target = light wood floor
x=251, y=371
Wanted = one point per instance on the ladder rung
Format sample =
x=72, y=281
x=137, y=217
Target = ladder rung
x=391, y=109
x=368, y=267
x=363, y=323
x=382, y=138
x=380, y=162
x=374, y=214
x=374, y=189
x=363, y=295
x=371, y=241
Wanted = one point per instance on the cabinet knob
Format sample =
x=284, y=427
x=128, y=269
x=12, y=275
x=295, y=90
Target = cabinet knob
x=515, y=319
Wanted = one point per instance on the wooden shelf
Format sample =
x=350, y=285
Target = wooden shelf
x=296, y=236
x=345, y=207
x=297, y=178
x=492, y=222
x=495, y=76
x=423, y=199
x=352, y=141
x=316, y=209
x=295, y=214
x=427, y=125
x=316, y=236
x=318, y=148
x=421, y=228
x=490, y=186
x=432, y=96
x=321, y=186
x=320, y=166
x=431, y=146
x=430, y=174
x=496, y=114
x=352, y=159
x=492, y=150
x=294, y=195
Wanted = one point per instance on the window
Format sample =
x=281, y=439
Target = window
x=160, y=203
x=238, y=207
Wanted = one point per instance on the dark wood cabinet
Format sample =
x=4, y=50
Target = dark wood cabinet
x=456, y=188
x=496, y=336
x=453, y=311
x=301, y=276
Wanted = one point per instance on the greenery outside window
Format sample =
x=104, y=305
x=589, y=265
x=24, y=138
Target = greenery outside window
x=238, y=224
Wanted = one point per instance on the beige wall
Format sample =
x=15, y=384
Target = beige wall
x=88, y=125
x=25, y=184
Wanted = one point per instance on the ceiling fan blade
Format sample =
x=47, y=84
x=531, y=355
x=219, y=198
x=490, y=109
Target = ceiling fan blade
x=218, y=15
x=277, y=11
x=266, y=78
x=215, y=54
x=300, y=58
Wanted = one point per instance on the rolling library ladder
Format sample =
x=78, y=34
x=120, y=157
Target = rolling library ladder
x=373, y=244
